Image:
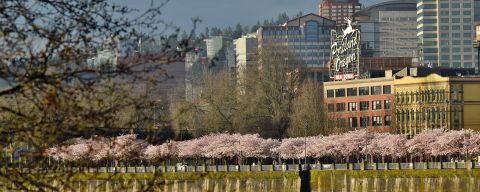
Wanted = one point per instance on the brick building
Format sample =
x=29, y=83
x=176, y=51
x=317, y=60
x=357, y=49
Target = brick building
x=337, y=10
x=361, y=103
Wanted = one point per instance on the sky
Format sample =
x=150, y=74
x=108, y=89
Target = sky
x=222, y=13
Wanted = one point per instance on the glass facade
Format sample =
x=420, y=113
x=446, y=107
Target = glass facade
x=311, y=31
x=454, y=30
x=308, y=37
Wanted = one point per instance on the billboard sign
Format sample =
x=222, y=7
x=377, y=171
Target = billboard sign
x=345, y=53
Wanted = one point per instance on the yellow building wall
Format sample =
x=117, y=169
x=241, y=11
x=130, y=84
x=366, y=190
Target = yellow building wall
x=471, y=96
x=472, y=117
x=471, y=93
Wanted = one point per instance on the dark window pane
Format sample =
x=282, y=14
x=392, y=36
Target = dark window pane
x=330, y=93
x=376, y=105
x=339, y=92
x=340, y=107
x=387, y=104
x=363, y=91
x=353, y=122
x=387, y=89
x=376, y=90
x=364, y=121
x=364, y=105
x=388, y=120
x=331, y=108
x=351, y=92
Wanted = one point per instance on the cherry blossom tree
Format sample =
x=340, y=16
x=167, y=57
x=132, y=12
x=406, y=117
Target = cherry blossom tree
x=220, y=146
x=447, y=144
x=328, y=146
x=127, y=147
x=156, y=152
x=474, y=143
x=355, y=143
x=374, y=146
x=290, y=148
x=421, y=145
x=392, y=145
x=429, y=143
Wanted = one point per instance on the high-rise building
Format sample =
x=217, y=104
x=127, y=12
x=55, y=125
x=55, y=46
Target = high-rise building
x=194, y=66
x=337, y=10
x=245, y=49
x=446, y=32
x=389, y=29
x=307, y=36
x=220, y=51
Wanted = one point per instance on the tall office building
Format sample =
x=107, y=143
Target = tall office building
x=307, y=36
x=337, y=10
x=220, y=51
x=446, y=32
x=245, y=49
x=389, y=29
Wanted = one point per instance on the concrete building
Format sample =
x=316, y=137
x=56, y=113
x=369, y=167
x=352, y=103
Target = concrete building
x=195, y=64
x=434, y=101
x=308, y=37
x=389, y=29
x=361, y=103
x=446, y=32
x=220, y=51
x=337, y=10
x=245, y=49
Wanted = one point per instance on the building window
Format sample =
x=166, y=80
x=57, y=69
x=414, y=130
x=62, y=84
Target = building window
x=387, y=104
x=364, y=105
x=456, y=119
x=388, y=120
x=353, y=122
x=330, y=108
x=329, y=93
x=311, y=31
x=340, y=107
x=364, y=121
x=363, y=91
x=376, y=105
x=376, y=90
x=341, y=122
x=352, y=106
x=377, y=121
x=387, y=89
x=339, y=92
x=351, y=92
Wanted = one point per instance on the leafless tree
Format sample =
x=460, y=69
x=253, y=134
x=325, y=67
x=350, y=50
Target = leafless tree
x=56, y=84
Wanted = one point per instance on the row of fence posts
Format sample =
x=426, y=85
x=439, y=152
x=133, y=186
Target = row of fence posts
x=236, y=168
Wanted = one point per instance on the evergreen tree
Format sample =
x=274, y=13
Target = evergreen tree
x=282, y=18
x=207, y=31
x=237, y=33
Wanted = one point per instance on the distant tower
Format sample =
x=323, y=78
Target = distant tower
x=338, y=9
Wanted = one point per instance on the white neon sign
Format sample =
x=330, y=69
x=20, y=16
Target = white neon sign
x=345, y=52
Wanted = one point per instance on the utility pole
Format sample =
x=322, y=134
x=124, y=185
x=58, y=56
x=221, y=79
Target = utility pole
x=305, y=142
